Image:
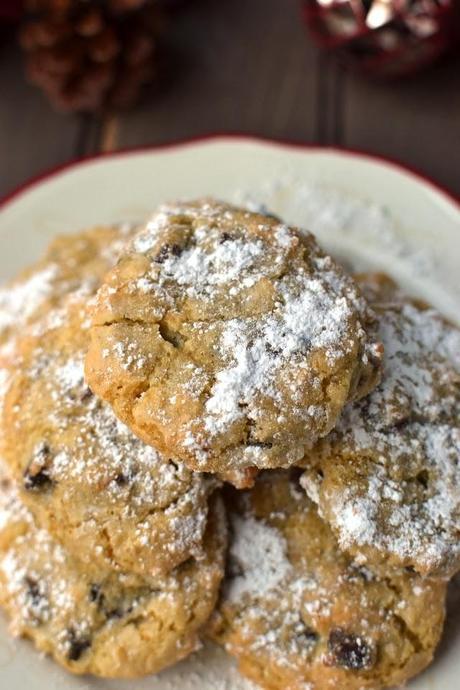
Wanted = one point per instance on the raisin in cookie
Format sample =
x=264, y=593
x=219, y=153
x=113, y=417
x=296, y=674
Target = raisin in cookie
x=88, y=480
x=111, y=625
x=298, y=613
x=229, y=339
x=387, y=479
x=71, y=263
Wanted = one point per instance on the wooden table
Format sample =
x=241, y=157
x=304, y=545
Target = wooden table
x=244, y=66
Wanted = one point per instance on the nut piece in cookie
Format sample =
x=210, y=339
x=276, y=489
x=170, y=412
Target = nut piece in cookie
x=115, y=625
x=296, y=612
x=229, y=339
x=387, y=479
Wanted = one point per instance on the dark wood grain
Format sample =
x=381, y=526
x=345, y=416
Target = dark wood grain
x=416, y=121
x=239, y=66
x=330, y=102
x=243, y=66
x=32, y=136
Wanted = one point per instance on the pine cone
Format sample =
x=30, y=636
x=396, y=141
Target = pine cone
x=91, y=56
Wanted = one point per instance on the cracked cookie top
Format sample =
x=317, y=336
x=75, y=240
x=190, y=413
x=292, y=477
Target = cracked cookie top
x=85, y=476
x=387, y=479
x=298, y=613
x=108, y=623
x=229, y=339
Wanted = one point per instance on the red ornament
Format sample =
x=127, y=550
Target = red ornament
x=386, y=37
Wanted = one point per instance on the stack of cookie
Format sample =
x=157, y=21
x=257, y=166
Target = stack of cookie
x=202, y=436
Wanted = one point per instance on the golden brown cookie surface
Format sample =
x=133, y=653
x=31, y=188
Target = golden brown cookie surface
x=387, y=479
x=229, y=339
x=115, y=625
x=298, y=613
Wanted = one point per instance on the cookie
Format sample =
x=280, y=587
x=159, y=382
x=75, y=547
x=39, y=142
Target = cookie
x=110, y=626
x=105, y=494
x=387, y=479
x=71, y=263
x=84, y=475
x=228, y=339
x=297, y=613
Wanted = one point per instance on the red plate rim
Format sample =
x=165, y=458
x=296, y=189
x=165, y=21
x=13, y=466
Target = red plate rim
x=397, y=166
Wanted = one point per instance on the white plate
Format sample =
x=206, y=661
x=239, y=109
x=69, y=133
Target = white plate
x=367, y=211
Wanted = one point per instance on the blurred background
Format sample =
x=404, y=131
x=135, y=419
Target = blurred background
x=79, y=76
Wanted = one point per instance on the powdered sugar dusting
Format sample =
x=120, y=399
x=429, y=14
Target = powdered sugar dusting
x=297, y=318
x=291, y=594
x=71, y=269
x=422, y=354
x=425, y=528
x=339, y=217
x=146, y=239
x=64, y=608
x=18, y=302
x=270, y=316
x=89, y=458
x=201, y=271
x=70, y=375
x=212, y=260
x=408, y=504
x=314, y=320
x=270, y=591
x=259, y=552
x=89, y=448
